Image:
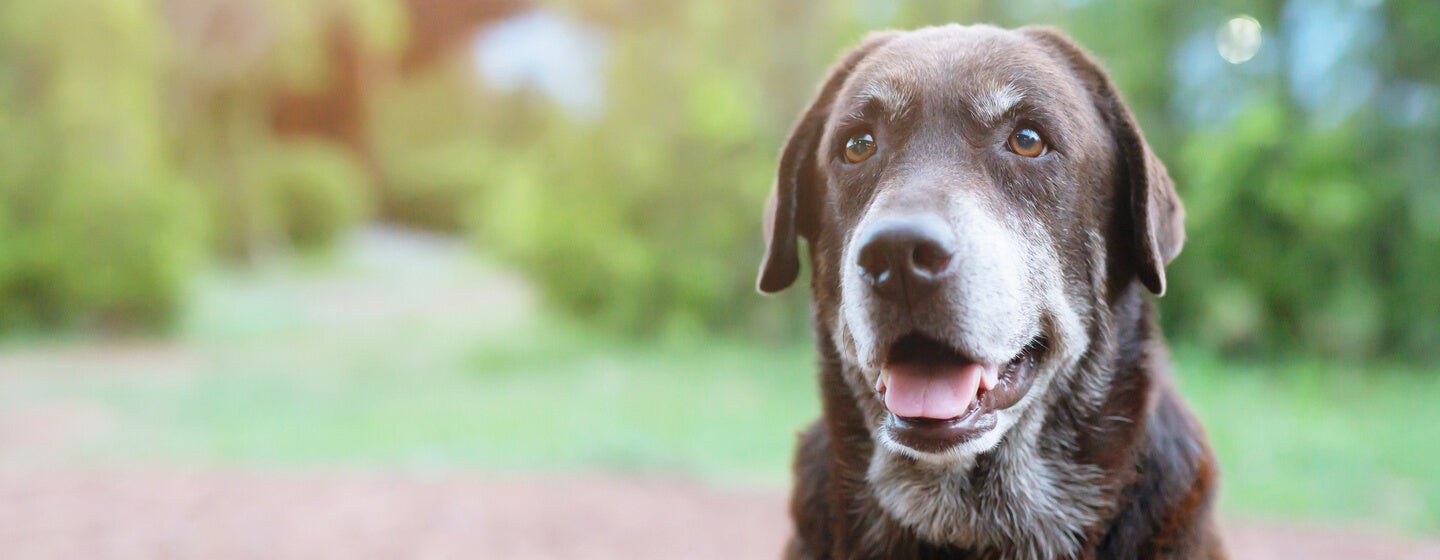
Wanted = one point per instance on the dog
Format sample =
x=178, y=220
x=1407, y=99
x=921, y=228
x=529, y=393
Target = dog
x=984, y=218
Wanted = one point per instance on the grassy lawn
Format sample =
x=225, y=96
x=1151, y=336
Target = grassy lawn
x=270, y=384
x=1323, y=441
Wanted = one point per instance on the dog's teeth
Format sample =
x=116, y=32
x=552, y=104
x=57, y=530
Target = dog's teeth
x=990, y=378
x=880, y=381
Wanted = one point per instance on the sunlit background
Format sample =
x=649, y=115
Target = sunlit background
x=474, y=278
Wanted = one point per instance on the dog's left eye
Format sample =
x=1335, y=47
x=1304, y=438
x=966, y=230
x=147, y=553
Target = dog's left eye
x=859, y=148
x=1026, y=141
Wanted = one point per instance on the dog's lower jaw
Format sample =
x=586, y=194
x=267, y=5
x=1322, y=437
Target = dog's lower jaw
x=956, y=457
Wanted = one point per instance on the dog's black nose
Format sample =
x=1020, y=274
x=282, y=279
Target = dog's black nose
x=906, y=257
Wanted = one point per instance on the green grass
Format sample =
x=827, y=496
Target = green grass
x=1322, y=441
x=545, y=396
x=1297, y=439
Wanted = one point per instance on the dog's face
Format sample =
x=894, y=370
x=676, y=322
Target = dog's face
x=974, y=197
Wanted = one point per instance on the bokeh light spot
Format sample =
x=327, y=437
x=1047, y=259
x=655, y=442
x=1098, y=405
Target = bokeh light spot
x=1238, y=39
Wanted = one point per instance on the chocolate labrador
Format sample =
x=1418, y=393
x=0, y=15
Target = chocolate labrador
x=984, y=218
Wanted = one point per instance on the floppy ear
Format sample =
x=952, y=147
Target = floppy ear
x=1158, y=219
x=794, y=205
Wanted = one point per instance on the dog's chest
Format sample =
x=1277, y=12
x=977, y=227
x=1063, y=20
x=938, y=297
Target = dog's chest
x=1014, y=501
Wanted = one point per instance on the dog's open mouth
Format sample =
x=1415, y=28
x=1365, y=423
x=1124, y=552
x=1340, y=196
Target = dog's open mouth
x=939, y=398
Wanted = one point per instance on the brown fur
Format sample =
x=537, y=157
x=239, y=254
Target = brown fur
x=1105, y=211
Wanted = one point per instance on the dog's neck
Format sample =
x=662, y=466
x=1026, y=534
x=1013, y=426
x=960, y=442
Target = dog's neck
x=1048, y=487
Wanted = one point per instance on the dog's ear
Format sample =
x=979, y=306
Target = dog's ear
x=793, y=209
x=1158, y=219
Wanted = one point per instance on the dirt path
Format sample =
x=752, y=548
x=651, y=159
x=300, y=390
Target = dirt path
x=359, y=515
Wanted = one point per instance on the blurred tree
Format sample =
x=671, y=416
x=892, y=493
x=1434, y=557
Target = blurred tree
x=369, y=49
x=1308, y=171
x=1309, y=189
x=249, y=75
x=647, y=218
x=96, y=227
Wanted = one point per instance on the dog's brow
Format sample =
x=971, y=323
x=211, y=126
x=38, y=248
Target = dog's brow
x=993, y=103
x=886, y=96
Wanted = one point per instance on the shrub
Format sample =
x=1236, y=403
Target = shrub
x=95, y=226
x=648, y=218
x=430, y=140
x=316, y=192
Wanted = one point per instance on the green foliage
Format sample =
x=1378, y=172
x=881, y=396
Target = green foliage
x=1312, y=233
x=95, y=226
x=318, y=192
x=234, y=61
x=130, y=136
x=648, y=219
x=434, y=146
x=302, y=28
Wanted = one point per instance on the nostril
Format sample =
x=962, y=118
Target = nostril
x=874, y=264
x=930, y=258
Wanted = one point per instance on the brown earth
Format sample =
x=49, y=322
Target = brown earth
x=382, y=515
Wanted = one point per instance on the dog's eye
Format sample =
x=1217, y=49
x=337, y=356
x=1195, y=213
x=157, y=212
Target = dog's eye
x=859, y=148
x=1027, y=142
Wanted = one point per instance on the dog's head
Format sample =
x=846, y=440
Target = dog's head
x=975, y=199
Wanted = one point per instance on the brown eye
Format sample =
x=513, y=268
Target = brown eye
x=1027, y=142
x=859, y=148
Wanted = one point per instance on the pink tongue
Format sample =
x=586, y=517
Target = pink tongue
x=936, y=391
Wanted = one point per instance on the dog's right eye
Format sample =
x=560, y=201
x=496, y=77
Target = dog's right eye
x=1027, y=142
x=859, y=148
